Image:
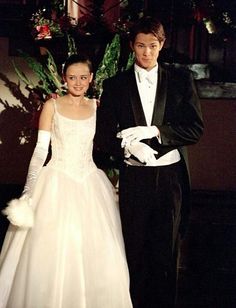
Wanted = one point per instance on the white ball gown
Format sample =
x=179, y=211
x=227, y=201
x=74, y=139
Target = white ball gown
x=74, y=256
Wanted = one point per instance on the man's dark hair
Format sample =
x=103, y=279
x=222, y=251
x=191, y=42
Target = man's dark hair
x=146, y=25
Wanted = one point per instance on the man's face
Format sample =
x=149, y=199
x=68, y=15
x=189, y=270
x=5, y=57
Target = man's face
x=146, y=48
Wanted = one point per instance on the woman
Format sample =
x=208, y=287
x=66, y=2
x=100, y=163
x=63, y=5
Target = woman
x=73, y=256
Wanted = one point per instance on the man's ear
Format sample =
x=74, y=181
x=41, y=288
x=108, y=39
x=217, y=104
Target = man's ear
x=162, y=44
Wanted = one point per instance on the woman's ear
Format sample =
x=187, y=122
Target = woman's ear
x=91, y=77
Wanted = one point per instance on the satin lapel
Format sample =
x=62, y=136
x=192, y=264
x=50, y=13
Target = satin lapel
x=160, y=101
x=135, y=99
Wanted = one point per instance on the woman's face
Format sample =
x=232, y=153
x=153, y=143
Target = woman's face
x=146, y=48
x=78, y=78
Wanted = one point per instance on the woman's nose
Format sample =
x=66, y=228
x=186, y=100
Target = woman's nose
x=78, y=81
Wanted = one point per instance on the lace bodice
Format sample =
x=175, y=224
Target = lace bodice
x=72, y=144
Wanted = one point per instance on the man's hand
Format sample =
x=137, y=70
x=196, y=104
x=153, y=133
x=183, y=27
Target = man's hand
x=134, y=134
x=144, y=153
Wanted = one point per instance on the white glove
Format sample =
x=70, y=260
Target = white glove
x=134, y=134
x=19, y=211
x=37, y=160
x=143, y=152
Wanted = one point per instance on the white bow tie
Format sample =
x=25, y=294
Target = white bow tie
x=151, y=77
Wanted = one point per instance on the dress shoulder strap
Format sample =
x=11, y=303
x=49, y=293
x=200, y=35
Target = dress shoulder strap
x=54, y=103
x=94, y=100
x=54, y=100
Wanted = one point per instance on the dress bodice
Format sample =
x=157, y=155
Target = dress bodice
x=72, y=144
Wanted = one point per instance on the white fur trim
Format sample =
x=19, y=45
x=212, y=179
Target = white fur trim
x=20, y=213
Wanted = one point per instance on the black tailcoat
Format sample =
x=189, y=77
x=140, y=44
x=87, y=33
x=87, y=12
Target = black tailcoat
x=154, y=201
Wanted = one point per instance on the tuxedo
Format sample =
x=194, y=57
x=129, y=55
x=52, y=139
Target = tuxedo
x=154, y=201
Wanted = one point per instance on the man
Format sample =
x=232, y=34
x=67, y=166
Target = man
x=147, y=116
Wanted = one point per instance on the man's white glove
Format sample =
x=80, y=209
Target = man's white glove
x=144, y=153
x=134, y=134
x=36, y=163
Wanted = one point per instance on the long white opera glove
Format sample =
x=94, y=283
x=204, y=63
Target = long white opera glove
x=144, y=153
x=37, y=160
x=134, y=134
x=19, y=211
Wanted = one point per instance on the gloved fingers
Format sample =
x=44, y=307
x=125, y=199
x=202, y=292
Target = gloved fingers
x=128, y=137
x=143, y=152
x=141, y=157
x=150, y=159
x=127, y=154
x=150, y=156
x=146, y=154
x=127, y=132
x=130, y=140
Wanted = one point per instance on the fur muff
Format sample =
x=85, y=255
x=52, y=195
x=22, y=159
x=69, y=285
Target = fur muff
x=20, y=213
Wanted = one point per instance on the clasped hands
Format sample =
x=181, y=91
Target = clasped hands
x=131, y=143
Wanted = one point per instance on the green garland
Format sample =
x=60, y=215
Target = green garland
x=50, y=80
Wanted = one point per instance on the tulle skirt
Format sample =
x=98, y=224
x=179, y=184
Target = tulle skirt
x=73, y=257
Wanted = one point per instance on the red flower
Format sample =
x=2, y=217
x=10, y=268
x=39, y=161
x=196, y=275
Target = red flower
x=44, y=31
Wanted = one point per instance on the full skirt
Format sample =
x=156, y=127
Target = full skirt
x=74, y=256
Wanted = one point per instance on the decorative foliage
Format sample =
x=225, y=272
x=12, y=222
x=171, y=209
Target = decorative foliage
x=50, y=81
x=48, y=76
x=130, y=61
x=26, y=112
x=54, y=22
x=44, y=28
x=109, y=65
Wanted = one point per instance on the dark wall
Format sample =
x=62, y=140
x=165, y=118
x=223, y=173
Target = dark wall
x=213, y=159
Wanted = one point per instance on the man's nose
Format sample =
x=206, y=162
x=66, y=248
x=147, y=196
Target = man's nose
x=147, y=50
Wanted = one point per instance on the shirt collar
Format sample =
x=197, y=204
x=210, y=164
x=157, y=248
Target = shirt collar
x=142, y=70
x=143, y=73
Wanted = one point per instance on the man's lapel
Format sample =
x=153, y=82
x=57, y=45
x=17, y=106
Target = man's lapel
x=135, y=99
x=160, y=101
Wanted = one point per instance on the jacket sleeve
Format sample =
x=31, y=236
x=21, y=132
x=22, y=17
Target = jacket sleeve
x=106, y=144
x=182, y=124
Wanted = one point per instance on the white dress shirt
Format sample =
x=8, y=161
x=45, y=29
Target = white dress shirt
x=147, y=85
